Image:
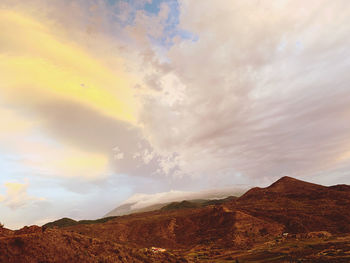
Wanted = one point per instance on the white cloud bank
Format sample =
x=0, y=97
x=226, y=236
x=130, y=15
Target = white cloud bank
x=139, y=201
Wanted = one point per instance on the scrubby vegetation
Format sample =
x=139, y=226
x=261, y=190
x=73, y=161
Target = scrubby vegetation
x=196, y=203
x=180, y=205
x=65, y=222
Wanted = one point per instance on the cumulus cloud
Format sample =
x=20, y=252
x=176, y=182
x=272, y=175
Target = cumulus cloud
x=16, y=195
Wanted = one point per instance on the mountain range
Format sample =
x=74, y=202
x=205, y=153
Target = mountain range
x=288, y=221
x=127, y=209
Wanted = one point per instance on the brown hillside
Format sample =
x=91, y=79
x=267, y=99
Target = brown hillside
x=257, y=221
x=215, y=225
x=59, y=246
x=300, y=206
x=288, y=205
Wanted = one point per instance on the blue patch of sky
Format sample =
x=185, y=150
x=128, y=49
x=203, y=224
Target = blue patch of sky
x=152, y=8
x=10, y=170
x=4, y=168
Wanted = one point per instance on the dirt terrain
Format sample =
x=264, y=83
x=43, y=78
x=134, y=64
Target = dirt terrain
x=37, y=245
x=289, y=221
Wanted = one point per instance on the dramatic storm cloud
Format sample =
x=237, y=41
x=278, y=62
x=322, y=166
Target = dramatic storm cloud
x=101, y=100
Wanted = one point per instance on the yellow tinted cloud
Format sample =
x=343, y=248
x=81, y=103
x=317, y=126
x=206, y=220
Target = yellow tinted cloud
x=36, y=66
x=15, y=188
x=17, y=196
x=77, y=163
x=54, y=160
x=345, y=156
x=14, y=124
x=44, y=155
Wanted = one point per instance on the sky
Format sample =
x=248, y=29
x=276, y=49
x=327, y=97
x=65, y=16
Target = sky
x=104, y=102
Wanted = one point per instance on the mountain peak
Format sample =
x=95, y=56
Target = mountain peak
x=285, y=180
x=288, y=184
x=284, y=186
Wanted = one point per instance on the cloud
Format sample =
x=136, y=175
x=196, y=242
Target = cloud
x=63, y=85
x=255, y=99
x=143, y=200
x=78, y=99
x=41, y=155
x=16, y=196
x=57, y=70
x=264, y=91
x=257, y=94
